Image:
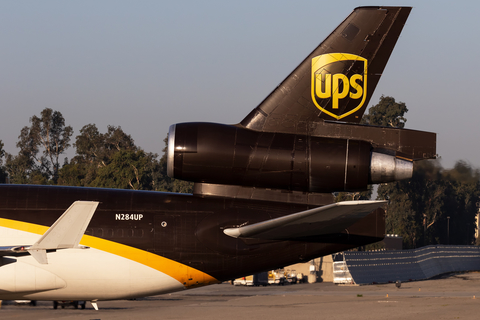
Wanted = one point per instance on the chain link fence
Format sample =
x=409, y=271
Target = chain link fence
x=405, y=265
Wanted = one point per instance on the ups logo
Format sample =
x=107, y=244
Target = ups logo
x=339, y=83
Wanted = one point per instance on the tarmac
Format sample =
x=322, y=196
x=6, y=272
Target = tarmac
x=453, y=296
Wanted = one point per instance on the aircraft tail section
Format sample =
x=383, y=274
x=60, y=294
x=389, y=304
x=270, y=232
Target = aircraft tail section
x=337, y=80
x=305, y=136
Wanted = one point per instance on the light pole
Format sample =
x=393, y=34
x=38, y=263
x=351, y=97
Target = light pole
x=424, y=229
x=448, y=230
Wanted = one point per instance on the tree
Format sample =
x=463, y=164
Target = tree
x=435, y=206
x=3, y=173
x=41, y=146
x=126, y=169
x=464, y=183
x=387, y=113
x=93, y=146
x=21, y=170
x=72, y=174
x=112, y=160
x=90, y=144
x=94, y=151
x=413, y=204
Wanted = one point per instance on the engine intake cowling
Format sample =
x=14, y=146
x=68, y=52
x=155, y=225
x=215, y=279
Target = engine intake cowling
x=224, y=154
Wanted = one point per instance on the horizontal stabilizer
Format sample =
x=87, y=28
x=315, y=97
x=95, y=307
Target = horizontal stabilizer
x=66, y=232
x=329, y=219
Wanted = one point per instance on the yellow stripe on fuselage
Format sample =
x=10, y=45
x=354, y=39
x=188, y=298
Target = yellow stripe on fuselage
x=186, y=275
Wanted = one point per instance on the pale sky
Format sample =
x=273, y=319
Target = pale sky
x=144, y=65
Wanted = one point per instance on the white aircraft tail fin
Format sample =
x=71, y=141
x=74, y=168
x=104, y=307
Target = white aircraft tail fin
x=66, y=232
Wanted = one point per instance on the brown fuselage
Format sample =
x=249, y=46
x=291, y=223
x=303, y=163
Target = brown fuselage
x=185, y=228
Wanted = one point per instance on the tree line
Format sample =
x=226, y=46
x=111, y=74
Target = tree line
x=435, y=206
x=106, y=160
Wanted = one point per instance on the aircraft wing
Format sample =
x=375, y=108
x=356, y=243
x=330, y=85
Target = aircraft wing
x=329, y=219
x=65, y=233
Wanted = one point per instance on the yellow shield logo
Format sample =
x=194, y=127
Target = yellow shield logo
x=339, y=83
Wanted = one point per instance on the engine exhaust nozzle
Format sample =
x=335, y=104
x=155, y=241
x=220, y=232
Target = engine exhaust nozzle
x=386, y=168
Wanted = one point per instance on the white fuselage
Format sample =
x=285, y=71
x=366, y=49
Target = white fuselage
x=76, y=274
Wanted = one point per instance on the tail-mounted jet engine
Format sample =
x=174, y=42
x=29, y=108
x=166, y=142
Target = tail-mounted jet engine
x=225, y=154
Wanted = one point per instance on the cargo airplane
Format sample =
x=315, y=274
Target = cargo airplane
x=262, y=195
